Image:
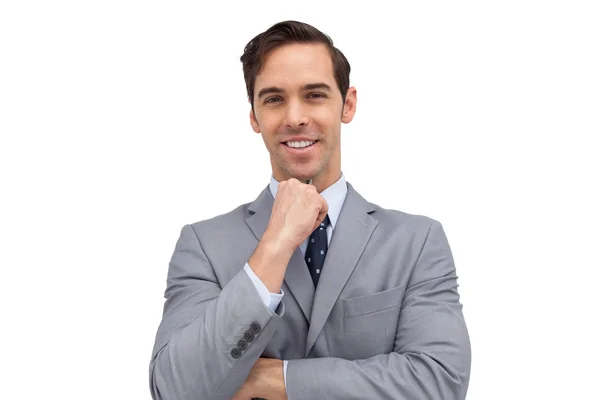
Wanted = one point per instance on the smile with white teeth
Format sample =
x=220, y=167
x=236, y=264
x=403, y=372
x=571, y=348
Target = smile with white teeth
x=300, y=145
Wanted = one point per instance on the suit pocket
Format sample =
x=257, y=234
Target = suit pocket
x=373, y=303
x=369, y=324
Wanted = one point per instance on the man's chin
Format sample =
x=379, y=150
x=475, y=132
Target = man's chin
x=303, y=176
x=302, y=173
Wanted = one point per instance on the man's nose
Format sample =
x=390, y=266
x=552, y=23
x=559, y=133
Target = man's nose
x=295, y=115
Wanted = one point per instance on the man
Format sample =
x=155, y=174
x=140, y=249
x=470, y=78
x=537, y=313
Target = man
x=310, y=291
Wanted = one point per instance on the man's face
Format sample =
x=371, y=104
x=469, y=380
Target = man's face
x=297, y=102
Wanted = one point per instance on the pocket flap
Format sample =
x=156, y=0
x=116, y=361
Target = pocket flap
x=371, y=303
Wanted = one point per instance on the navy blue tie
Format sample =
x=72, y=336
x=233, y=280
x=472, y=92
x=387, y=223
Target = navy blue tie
x=317, y=250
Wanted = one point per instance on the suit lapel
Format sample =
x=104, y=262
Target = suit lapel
x=350, y=236
x=298, y=280
x=297, y=277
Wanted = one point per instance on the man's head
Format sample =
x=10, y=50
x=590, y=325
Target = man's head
x=298, y=88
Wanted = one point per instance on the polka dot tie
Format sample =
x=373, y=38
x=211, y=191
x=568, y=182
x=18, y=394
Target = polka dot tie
x=317, y=250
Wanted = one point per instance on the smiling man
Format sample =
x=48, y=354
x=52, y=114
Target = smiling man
x=310, y=291
x=298, y=109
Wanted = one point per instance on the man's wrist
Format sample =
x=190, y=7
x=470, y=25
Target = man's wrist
x=269, y=262
x=276, y=243
x=271, y=383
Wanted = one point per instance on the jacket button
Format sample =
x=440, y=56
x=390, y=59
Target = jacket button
x=236, y=353
x=255, y=327
x=248, y=336
x=242, y=345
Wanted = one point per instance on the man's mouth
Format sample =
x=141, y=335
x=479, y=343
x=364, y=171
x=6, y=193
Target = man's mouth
x=300, y=145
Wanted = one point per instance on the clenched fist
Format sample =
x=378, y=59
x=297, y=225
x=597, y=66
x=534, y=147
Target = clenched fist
x=297, y=211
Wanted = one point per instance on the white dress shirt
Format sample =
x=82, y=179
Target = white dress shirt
x=334, y=195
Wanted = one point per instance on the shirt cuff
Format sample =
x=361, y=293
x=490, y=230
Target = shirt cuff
x=271, y=300
x=285, y=363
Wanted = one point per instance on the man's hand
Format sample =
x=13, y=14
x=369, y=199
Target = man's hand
x=297, y=211
x=265, y=381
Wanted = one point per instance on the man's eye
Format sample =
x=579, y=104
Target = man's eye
x=316, y=95
x=273, y=100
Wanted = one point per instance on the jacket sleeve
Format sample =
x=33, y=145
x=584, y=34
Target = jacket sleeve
x=210, y=336
x=431, y=358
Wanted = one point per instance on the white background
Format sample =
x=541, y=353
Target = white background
x=121, y=121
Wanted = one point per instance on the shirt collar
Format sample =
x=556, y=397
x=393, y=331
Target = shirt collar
x=334, y=195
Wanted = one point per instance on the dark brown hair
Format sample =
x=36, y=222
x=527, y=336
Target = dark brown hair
x=287, y=32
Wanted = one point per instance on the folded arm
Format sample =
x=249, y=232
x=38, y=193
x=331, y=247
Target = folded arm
x=432, y=354
x=210, y=337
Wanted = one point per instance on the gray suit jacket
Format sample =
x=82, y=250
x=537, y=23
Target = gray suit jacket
x=384, y=322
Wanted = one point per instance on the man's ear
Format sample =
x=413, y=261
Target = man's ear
x=349, y=108
x=253, y=121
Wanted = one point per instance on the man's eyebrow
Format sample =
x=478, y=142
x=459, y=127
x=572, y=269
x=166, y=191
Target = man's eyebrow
x=320, y=85
x=269, y=90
